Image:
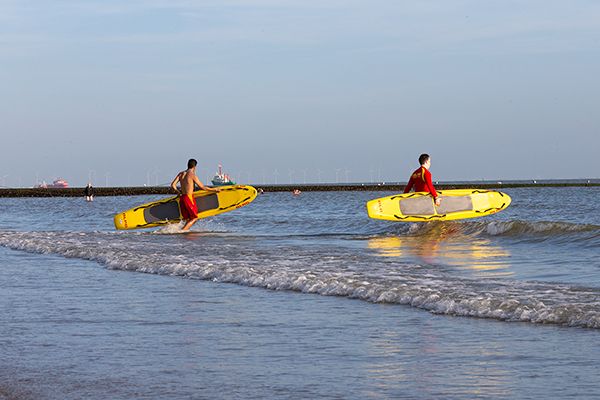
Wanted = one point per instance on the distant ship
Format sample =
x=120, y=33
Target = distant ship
x=57, y=184
x=221, y=179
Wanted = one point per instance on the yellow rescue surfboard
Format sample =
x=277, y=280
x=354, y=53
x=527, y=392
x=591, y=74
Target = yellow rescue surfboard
x=455, y=204
x=167, y=211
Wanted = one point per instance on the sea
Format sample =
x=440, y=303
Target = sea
x=301, y=297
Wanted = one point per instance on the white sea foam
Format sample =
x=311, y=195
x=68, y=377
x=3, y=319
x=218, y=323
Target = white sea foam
x=434, y=291
x=200, y=226
x=170, y=229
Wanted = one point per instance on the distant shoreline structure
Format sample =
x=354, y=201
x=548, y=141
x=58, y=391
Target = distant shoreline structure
x=58, y=183
x=329, y=187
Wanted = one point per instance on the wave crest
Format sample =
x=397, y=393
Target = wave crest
x=435, y=291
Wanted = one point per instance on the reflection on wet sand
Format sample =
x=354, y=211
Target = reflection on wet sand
x=448, y=244
x=395, y=371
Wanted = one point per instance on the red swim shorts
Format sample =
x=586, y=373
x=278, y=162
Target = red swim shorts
x=188, y=207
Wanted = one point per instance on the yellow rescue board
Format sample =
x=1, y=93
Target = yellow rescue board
x=167, y=211
x=455, y=204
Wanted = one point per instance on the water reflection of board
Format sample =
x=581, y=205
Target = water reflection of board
x=167, y=211
x=455, y=204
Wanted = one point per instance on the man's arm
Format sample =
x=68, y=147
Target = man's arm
x=409, y=185
x=174, y=183
x=431, y=188
x=202, y=187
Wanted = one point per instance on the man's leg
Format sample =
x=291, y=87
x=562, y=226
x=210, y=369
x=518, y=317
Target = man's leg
x=189, y=224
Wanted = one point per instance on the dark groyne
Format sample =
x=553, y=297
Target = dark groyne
x=78, y=192
x=162, y=190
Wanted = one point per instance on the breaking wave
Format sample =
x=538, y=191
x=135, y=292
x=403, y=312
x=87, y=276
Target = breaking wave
x=337, y=274
x=582, y=234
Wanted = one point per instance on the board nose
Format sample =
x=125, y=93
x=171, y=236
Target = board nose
x=373, y=208
x=120, y=221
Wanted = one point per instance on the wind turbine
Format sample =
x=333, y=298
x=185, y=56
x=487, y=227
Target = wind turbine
x=91, y=174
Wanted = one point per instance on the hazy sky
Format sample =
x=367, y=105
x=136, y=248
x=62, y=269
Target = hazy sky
x=127, y=91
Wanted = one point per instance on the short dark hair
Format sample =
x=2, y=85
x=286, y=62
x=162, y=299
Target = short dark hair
x=423, y=158
x=192, y=163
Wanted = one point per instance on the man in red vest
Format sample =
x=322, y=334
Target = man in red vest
x=421, y=179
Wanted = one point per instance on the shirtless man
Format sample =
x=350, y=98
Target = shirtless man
x=187, y=203
x=421, y=179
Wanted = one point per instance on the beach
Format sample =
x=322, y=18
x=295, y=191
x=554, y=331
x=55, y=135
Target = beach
x=322, y=280
x=301, y=297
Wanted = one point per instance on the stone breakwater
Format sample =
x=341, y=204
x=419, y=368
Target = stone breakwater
x=162, y=190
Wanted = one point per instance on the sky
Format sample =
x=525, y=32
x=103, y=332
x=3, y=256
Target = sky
x=280, y=91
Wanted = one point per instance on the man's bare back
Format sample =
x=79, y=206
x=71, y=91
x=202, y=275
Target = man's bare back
x=187, y=179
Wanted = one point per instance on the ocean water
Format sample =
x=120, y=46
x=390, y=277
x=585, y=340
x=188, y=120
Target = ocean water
x=301, y=297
